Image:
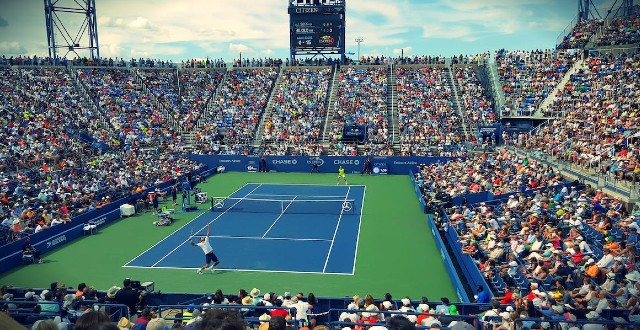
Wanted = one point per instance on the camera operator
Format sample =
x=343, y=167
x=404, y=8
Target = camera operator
x=129, y=296
x=315, y=164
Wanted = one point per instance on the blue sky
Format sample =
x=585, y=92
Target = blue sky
x=177, y=30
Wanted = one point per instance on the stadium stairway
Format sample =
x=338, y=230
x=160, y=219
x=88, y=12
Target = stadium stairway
x=188, y=138
x=457, y=105
x=202, y=111
x=559, y=87
x=88, y=101
x=392, y=106
x=257, y=141
x=489, y=70
x=331, y=105
x=164, y=112
x=208, y=112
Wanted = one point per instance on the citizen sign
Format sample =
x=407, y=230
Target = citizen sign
x=284, y=161
x=307, y=10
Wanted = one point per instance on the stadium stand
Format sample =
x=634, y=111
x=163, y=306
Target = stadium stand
x=425, y=113
x=362, y=99
x=299, y=110
x=184, y=94
x=477, y=105
x=580, y=34
x=132, y=112
x=238, y=107
x=528, y=77
x=619, y=31
x=598, y=125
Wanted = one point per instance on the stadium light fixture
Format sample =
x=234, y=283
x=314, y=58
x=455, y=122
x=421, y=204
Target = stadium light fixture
x=359, y=40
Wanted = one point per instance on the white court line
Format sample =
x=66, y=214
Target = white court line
x=278, y=218
x=272, y=238
x=154, y=245
x=355, y=257
x=210, y=222
x=340, y=197
x=335, y=232
x=305, y=184
x=243, y=270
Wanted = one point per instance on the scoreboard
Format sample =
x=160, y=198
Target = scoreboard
x=317, y=26
x=316, y=31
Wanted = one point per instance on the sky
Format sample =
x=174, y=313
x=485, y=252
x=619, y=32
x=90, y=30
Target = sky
x=184, y=29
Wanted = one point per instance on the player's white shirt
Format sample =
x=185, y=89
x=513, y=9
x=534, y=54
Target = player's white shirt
x=205, y=246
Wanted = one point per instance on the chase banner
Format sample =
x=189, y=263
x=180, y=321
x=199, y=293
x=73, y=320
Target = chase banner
x=325, y=164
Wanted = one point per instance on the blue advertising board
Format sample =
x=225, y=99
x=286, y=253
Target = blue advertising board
x=56, y=236
x=326, y=164
x=380, y=168
x=448, y=263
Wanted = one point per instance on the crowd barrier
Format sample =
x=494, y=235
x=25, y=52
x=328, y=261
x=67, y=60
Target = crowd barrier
x=56, y=236
x=446, y=258
x=250, y=313
x=467, y=264
x=326, y=164
x=416, y=188
x=484, y=196
x=334, y=314
x=448, y=263
x=115, y=311
x=584, y=324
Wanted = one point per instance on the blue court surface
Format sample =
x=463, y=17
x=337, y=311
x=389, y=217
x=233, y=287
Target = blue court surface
x=270, y=227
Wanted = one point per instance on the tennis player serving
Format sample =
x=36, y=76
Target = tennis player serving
x=208, y=252
x=341, y=175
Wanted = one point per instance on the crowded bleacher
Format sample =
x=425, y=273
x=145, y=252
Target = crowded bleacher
x=361, y=98
x=425, y=111
x=298, y=110
x=528, y=77
x=184, y=95
x=598, y=105
x=237, y=107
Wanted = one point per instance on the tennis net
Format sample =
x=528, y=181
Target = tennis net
x=292, y=206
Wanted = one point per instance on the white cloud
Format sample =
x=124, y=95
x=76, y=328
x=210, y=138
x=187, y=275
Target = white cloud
x=12, y=48
x=113, y=50
x=510, y=27
x=433, y=31
x=137, y=23
x=170, y=28
x=238, y=48
x=404, y=50
x=141, y=23
x=150, y=49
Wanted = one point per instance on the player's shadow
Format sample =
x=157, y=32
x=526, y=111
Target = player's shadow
x=222, y=271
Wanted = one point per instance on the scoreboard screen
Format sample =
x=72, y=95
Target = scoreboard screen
x=316, y=30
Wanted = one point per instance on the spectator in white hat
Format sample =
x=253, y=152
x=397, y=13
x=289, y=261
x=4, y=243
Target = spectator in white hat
x=593, y=316
x=407, y=308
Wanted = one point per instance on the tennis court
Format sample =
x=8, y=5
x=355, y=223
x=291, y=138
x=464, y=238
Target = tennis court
x=395, y=249
x=270, y=227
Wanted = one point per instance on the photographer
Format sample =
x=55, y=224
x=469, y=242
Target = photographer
x=315, y=164
x=129, y=296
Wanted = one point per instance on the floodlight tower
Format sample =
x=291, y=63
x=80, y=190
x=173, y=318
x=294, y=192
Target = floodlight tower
x=359, y=40
x=584, y=10
x=628, y=7
x=71, y=43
